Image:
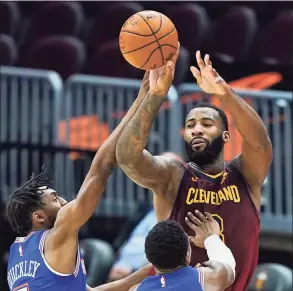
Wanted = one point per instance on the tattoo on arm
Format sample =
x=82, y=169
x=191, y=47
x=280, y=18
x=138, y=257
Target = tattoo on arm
x=135, y=135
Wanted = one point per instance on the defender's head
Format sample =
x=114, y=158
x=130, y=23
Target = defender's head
x=167, y=246
x=34, y=205
x=206, y=132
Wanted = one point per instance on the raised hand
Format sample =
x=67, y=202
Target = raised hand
x=161, y=79
x=203, y=227
x=207, y=77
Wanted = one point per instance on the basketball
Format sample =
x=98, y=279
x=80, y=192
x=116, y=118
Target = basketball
x=148, y=40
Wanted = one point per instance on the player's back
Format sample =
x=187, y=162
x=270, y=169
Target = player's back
x=227, y=197
x=186, y=278
x=29, y=271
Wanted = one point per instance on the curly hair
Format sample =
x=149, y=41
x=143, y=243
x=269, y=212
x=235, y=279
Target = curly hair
x=166, y=245
x=24, y=201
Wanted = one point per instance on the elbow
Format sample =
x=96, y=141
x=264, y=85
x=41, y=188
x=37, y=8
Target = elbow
x=264, y=144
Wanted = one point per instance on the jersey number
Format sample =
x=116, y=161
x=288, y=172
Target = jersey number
x=23, y=287
x=220, y=220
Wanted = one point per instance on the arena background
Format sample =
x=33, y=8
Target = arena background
x=65, y=87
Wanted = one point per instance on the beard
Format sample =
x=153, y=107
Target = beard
x=208, y=155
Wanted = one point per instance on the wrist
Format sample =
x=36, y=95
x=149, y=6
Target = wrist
x=229, y=93
x=157, y=94
x=210, y=239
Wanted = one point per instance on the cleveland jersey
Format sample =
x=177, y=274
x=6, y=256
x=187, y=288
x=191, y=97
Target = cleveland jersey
x=29, y=271
x=226, y=196
x=186, y=278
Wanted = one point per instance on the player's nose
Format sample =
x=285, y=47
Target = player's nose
x=197, y=130
x=62, y=201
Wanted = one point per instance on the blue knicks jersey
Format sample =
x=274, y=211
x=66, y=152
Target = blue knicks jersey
x=186, y=278
x=29, y=271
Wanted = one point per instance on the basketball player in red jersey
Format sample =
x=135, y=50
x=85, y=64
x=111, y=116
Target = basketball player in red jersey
x=231, y=192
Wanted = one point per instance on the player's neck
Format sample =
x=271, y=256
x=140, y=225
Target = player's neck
x=217, y=166
x=168, y=271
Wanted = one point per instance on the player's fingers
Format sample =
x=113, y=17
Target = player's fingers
x=200, y=216
x=169, y=68
x=207, y=60
x=194, y=219
x=199, y=60
x=190, y=224
x=209, y=216
x=175, y=58
x=196, y=74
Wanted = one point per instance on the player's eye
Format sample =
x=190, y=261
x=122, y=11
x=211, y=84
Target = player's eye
x=207, y=124
x=189, y=126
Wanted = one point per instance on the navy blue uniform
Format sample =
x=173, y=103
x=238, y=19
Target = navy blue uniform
x=186, y=278
x=29, y=271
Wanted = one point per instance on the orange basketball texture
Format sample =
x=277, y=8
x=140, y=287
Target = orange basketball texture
x=148, y=40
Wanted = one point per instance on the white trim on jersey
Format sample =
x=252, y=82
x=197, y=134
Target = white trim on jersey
x=201, y=277
x=41, y=248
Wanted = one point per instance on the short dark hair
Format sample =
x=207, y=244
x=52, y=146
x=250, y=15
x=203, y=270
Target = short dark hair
x=24, y=201
x=166, y=245
x=219, y=110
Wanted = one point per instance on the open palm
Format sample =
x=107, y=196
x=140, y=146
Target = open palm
x=207, y=77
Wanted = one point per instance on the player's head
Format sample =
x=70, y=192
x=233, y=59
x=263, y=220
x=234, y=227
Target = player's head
x=206, y=132
x=167, y=246
x=34, y=205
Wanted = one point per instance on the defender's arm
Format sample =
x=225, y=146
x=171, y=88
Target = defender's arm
x=126, y=283
x=72, y=216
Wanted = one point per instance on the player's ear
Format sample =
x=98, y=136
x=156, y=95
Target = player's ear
x=39, y=216
x=188, y=256
x=226, y=136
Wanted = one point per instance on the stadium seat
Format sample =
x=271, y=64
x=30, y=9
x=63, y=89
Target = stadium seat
x=8, y=50
x=275, y=43
x=98, y=257
x=9, y=16
x=232, y=36
x=271, y=277
x=107, y=60
x=64, y=18
x=191, y=22
x=63, y=54
x=107, y=26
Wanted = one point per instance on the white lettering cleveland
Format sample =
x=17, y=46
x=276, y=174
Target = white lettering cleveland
x=23, y=269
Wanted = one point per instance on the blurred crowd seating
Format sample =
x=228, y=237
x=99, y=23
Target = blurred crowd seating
x=82, y=37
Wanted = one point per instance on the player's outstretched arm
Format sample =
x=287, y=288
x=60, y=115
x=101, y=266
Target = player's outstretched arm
x=256, y=155
x=72, y=216
x=126, y=283
x=219, y=271
x=143, y=168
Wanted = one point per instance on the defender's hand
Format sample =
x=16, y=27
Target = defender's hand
x=203, y=227
x=207, y=77
x=161, y=78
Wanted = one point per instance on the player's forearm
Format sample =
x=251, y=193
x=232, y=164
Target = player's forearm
x=126, y=283
x=134, y=137
x=102, y=166
x=247, y=121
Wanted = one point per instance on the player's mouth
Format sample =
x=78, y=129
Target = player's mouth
x=198, y=144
